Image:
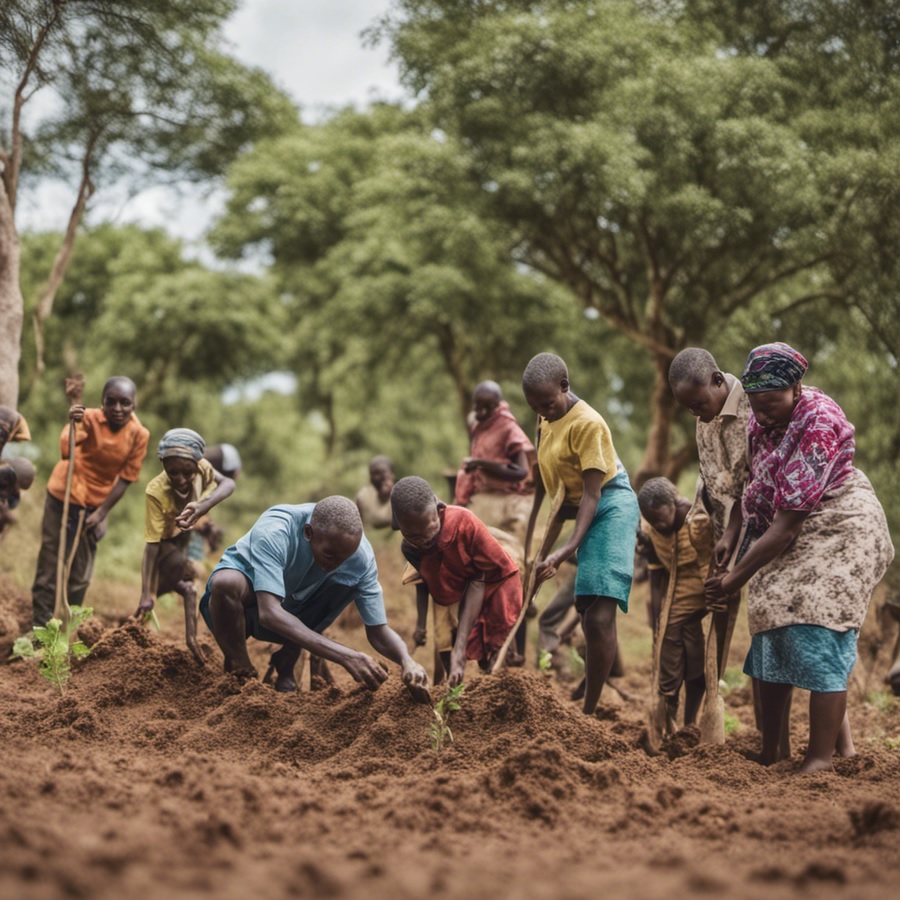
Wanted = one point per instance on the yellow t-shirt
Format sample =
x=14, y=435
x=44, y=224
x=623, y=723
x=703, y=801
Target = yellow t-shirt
x=163, y=506
x=568, y=447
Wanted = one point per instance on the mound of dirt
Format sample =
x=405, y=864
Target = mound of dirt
x=152, y=775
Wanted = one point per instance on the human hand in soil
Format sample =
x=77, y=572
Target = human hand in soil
x=145, y=605
x=419, y=636
x=194, y=646
x=76, y=412
x=416, y=680
x=366, y=670
x=457, y=669
x=191, y=514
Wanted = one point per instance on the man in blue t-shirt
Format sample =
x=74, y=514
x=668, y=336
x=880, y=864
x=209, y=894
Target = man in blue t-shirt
x=288, y=579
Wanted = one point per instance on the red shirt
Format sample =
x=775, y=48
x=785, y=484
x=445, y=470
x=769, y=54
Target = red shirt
x=466, y=551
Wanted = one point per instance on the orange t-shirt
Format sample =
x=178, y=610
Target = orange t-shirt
x=102, y=457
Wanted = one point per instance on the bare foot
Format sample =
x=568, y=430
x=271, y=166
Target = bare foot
x=815, y=765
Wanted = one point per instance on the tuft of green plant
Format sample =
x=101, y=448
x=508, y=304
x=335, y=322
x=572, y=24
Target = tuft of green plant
x=732, y=723
x=545, y=661
x=576, y=662
x=440, y=729
x=53, y=646
x=883, y=701
x=733, y=677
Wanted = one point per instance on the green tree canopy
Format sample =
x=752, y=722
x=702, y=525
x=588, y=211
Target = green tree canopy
x=669, y=163
x=95, y=90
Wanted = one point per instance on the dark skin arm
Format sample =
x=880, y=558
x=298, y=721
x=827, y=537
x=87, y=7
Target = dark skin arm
x=515, y=469
x=362, y=667
x=539, y=493
x=96, y=521
x=148, y=578
x=469, y=611
x=592, y=479
x=421, y=631
x=724, y=548
x=387, y=642
x=196, y=509
x=778, y=537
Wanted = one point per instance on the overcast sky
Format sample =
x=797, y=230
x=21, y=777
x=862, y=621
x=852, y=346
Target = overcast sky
x=311, y=48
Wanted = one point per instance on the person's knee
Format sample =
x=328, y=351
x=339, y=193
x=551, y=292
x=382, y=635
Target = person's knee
x=228, y=588
x=599, y=614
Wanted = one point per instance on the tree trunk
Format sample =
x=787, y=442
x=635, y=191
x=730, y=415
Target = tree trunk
x=656, y=456
x=453, y=360
x=44, y=306
x=12, y=306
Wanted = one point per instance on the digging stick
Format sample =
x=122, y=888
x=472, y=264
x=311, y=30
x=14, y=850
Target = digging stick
x=712, y=720
x=656, y=706
x=530, y=591
x=74, y=393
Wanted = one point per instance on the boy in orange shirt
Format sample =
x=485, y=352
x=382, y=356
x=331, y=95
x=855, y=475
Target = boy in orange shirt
x=111, y=444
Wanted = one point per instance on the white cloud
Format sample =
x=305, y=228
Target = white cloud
x=313, y=49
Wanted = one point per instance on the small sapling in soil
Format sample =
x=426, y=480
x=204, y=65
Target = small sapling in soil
x=440, y=729
x=53, y=646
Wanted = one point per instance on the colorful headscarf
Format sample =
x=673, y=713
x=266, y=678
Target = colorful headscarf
x=183, y=443
x=773, y=367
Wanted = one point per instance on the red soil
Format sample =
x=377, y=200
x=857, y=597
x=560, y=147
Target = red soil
x=154, y=777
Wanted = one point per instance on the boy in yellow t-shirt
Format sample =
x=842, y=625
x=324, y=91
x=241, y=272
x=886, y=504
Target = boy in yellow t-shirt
x=187, y=489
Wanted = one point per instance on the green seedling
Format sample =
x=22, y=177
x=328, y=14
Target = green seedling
x=732, y=723
x=440, y=729
x=150, y=616
x=545, y=661
x=576, y=662
x=53, y=646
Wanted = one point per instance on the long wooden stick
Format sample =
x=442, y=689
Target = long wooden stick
x=656, y=707
x=712, y=719
x=74, y=393
x=531, y=588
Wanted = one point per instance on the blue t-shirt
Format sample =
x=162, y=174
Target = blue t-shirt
x=276, y=557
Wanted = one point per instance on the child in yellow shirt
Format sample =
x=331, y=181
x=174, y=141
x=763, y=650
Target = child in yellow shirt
x=187, y=489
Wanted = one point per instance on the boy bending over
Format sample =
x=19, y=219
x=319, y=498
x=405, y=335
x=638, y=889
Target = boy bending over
x=460, y=562
x=682, y=538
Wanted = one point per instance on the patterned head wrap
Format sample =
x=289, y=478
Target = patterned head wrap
x=773, y=367
x=183, y=443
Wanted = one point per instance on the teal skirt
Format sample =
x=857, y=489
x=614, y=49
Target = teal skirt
x=807, y=656
x=606, y=553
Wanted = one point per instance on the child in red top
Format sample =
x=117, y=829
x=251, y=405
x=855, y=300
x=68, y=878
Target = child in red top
x=460, y=562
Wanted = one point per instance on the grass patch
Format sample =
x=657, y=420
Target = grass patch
x=734, y=677
x=732, y=723
x=883, y=701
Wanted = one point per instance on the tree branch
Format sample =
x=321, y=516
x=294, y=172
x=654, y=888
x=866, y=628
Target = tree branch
x=48, y=294
x=11, y=171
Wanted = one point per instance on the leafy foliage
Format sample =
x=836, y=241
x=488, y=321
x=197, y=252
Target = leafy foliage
x=54, y=647
x=440, y=728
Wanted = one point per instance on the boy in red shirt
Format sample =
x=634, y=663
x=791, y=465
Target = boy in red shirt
x=460, y=562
